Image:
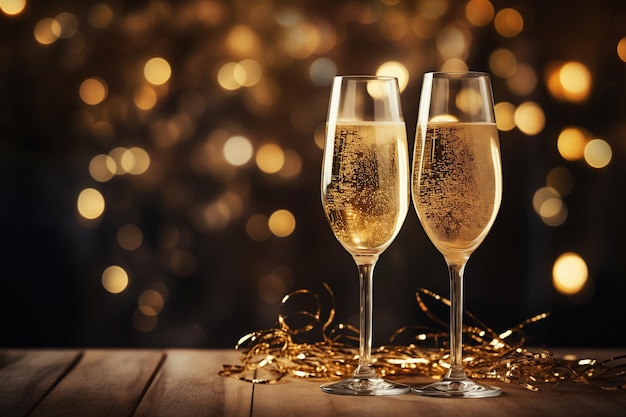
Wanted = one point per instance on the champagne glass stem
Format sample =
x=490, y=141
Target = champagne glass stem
x=366, y=280
x=456, y=372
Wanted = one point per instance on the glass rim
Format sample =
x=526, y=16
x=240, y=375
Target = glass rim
x=366, y=77
x=457, y=74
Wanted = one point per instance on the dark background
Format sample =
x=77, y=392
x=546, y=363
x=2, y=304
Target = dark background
x=51, y=260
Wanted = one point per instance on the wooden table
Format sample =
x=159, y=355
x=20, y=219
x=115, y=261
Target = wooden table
x=171, y=383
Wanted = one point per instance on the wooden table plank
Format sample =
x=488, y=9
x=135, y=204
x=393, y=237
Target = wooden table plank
x=299, y=397
x=26, y=376
x=104, y=383
x=304, y=398
x=188, y=385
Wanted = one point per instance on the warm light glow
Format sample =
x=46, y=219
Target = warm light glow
x=116, y=154
x=100, y=15
x=576, y=81
x=503, y=63
x=93, y=91
x=621, y=49
x=292, y=166
x=322, y=71
x=150, y=302
x=12, y=7
x=252, y=72
x=395, y=69
x=102, y=168
x=237, y=150
x=270, y=158
x=598, y=153
x=561, y=179
x=479, y=12
x=569, y=81
x=257, y=227
x=234, y=75
x=145, y=97
x=47, y=31
x=451, y=42
x=542, y=195
x=454, y=65
x=69, y=24
x=505, y=116
x=529, y=118
x=242, y=41
x=523, y=81
x=135, y=161
x=509, y=22
x=425, y=28
x=548, y=204
x=469, y=100
x=231, y=76
x=157, y=71
x=569, y=273
x=90, y=203
x=129, y=237
x=571, y=143
x=114, y=279
x=282, y=223
x=432, y=9
x=394, y=25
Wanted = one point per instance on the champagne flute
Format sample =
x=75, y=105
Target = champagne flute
x=457, y=189
x=365, y=196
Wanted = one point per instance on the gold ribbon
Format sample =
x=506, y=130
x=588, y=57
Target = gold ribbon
x=305, y=344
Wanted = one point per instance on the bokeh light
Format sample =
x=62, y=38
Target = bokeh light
x=479, y=12
x=186, y=135
x=503, y=63
x=395, y=69
x=549, y=205
x=114, y=279
x=100, y=15
x=237, y=150
x=102, y=168
x=47, y=31
x=509, y=22
x=569, y=81
x=571, y=143
x=598, y=153
x=157, y=71
x=529, y=118
x=621, y=49
x=145, y=97
x=150, y=302
x=561, y=179
x=257, y=227
x=270, y=158
x=282, y=223
x=90, y=203
x=569, y=273
x=12, y=7
x=129, y=237
x=93, y=91
x=505, y=116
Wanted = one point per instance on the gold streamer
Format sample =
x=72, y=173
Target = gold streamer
x=269, y=355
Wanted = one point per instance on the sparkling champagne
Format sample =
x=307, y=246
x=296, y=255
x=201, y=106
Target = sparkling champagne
x=366, y=196
x=459, y=189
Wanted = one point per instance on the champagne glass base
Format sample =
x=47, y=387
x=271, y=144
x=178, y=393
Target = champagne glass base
x=464, y=389
x=365, y=386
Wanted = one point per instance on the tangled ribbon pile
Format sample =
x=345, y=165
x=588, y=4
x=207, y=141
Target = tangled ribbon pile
x=304, y=344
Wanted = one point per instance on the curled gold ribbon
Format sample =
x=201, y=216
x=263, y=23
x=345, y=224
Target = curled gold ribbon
x=305, y=344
